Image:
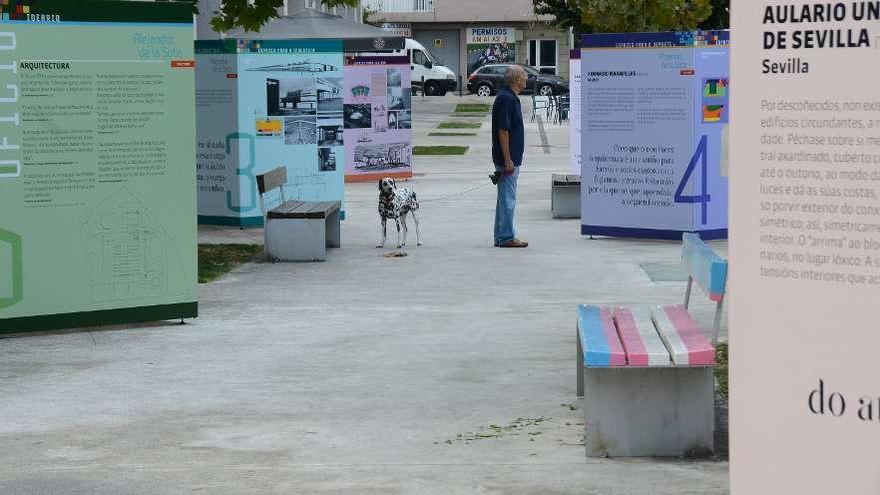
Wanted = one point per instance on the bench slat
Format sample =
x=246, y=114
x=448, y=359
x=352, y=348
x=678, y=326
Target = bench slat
x=707, y=268
x=599, y=338
x=286, y=207
x=304, y=209
x=639, y=337
x=566, y=180
x=683, y=338
x=301, y=208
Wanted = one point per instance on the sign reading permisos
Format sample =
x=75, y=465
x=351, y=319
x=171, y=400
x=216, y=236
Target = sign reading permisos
x=485, y=35
x=97, y=186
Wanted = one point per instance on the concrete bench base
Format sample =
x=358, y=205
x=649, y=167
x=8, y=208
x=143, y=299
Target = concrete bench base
x=565, y=196
x=301, y=239
x=649, y=411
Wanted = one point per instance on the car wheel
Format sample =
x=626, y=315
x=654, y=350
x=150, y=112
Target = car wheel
x=431, y=89
x=443, y=92
x=484, y=90
x=545, y=90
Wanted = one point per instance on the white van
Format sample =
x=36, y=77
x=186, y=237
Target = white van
x=439, y=79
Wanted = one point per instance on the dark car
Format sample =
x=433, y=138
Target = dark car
x=488, y=79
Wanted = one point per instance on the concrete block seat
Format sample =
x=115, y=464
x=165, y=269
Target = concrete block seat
x=565, y=196
x=297, y=230
x=647, y=371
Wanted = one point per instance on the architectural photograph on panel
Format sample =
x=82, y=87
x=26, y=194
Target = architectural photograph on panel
x=358, y=115
x=292, y=96
x=400, y=119
x=326, y=159
x=329, y=94
x=300, y=130
x=377, y=157
x=330, y=132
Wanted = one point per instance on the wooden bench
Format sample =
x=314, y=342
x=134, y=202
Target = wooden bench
x=297, y=230
x=647, y=371
x=565, y=196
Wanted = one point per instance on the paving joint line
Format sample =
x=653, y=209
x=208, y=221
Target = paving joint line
x=545, y=143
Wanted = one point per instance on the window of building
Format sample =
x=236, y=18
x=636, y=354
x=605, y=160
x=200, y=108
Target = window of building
x=543, y=55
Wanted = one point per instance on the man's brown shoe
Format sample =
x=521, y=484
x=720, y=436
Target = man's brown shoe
x=515, y=243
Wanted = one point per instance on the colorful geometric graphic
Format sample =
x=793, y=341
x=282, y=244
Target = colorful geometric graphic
x=713, y=113
x=360, y=91
x=715, y=88
x=716, y=99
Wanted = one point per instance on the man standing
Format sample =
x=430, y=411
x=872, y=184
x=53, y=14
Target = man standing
x=508, y=145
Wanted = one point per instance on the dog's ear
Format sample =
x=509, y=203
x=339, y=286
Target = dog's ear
x=380, y=184
x=393, y=183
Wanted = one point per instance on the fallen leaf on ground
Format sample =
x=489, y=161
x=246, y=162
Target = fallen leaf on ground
x=395, y=254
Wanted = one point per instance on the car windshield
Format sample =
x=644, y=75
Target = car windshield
x=431, y=57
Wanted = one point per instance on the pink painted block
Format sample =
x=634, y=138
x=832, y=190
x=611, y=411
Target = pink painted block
x=615, y=348
x=700, y=350
x=630, y=339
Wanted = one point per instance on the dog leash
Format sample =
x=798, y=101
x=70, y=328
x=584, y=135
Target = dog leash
x=453, y=195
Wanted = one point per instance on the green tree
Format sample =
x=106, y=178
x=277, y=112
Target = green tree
x=251, y=15
x=720, y=18
x=567, y=14
x=368, y=17
x=626, y=16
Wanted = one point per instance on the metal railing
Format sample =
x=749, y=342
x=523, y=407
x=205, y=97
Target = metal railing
x=400, y=5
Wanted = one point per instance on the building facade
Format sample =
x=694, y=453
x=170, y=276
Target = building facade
x=465, y=34
x=208, y=7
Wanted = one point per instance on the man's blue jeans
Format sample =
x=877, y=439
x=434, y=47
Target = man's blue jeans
x=504, y=208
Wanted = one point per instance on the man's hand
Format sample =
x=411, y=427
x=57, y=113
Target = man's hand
x=508, y=167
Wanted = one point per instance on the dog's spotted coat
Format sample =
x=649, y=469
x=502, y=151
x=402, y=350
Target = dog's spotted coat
x=396, y=204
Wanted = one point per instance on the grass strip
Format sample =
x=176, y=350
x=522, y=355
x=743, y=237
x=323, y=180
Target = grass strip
x=439, y=150
x=721, y=362
x=216, y=260
x=460, y=125
x=472, y=108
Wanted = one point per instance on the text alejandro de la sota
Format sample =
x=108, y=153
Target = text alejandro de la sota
x=799, y=27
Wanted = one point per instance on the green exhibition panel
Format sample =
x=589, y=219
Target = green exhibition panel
x=97, y=177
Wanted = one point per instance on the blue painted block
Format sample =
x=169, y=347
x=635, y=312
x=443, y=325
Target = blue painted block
x=599, y=338
x=707, y=268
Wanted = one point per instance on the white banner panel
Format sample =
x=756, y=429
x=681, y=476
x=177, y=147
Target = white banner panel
x=805, y=248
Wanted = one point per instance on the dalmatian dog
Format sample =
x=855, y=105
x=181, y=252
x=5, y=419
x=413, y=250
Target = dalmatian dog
x=395, y=204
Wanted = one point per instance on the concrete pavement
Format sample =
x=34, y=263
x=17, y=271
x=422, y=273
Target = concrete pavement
x=450, y=370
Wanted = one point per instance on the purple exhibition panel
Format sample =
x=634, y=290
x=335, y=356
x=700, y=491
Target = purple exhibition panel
x=574, y=116
x=655, y=111
x=377, y=115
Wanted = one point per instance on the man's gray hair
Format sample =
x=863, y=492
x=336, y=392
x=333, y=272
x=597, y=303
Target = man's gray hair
x=513, y=73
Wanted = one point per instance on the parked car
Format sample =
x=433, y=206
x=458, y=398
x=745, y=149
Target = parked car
x=488, y=79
